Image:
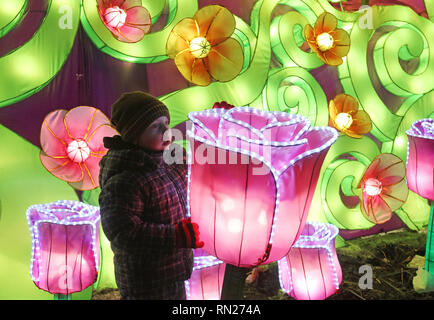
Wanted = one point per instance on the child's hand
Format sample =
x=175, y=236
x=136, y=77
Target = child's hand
x=187, y=234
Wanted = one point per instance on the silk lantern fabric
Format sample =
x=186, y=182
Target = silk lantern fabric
x=311, y=270
x=65, y=246
x=206, y=280
x=252, y=175
x=420, y=158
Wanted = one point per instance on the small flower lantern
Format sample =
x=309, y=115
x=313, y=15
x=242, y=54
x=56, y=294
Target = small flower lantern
x=202, y=47
x=420, y=174
x=206, y=281
x=346, y=117
x=311, y=270
x=127, y=20
x=383, y=188
x=65, y=246
x=330, y=43
x=252, y=176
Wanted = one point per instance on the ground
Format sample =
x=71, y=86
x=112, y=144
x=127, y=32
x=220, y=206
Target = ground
x=389, y=254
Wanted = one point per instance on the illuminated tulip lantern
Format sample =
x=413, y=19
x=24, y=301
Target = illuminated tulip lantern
x=252, y=175
x=420, y=174
x=311, y=270
x=206, y=281
x=65, y=246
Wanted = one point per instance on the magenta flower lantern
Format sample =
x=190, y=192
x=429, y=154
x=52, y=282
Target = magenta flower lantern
x=311, y=270
x=65, y=246
x=420, y=158
x=72, y=145
x=420, y=174
x=206, y=280
x=127, y=20
x=252, y=175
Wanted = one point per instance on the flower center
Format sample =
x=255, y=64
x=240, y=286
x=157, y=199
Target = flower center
x=78, y=151
x=324, y=41
x=199, y=47
x=344, y=120
x=115, y=17
x=373, y=187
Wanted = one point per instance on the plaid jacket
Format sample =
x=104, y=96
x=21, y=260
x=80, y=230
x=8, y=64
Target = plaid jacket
x=141, y=200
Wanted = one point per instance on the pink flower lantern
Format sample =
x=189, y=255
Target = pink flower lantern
x=252, y=175
x=127, y=20
x=420, y=158
x=72, y=145
x=384, y=188
x=65, y=246
x=206, y=281
x=420, y=174
x=311, y=270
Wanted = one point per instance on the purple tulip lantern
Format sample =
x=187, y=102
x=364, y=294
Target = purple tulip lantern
x=65, y=246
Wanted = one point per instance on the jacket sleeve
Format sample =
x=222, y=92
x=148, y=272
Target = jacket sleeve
x=122, y=201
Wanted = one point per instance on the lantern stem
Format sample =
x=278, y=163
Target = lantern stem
x=233, y=283
x=429, y=251
x=59, y=296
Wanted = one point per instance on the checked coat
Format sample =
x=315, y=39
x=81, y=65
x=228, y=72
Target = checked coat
x=142, y=199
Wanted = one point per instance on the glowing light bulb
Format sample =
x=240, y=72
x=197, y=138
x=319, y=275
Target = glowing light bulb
x=115, y=17
x=373, y=187
x=343, y=120
x=324, y=41
x=78, y=151
x=199, y=47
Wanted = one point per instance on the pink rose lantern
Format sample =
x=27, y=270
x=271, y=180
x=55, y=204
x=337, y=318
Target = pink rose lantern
x=65, y=246
x=206, y=281
x=252, y=175
x=127, y=20
x=72, y=145
x=420, y=174
x=311, y=270
x=420, y=158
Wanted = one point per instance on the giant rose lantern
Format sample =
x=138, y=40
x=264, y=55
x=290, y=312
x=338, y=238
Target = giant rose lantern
x=420, y=174
x=252, y=176
x=65, y=246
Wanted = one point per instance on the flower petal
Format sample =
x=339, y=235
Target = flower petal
x=375, y=209
x=180, y=37
x=333, y=111
x=216, y=23
x=95, y=139
x=54, y=138
x=326, y=22
x=192, y=69
x=225, y=60
x=138, y=17
x=129, y=34
x=346, y=104
x=362, y=123
x=90, y=170
x=331, y=59
x=126, y=4
x=62, y=168
x=341, y=41
x=81, y=121
x=395, y=195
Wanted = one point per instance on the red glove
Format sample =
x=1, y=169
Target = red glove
x=187, y=234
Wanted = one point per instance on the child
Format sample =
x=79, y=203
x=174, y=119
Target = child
x=143, y=203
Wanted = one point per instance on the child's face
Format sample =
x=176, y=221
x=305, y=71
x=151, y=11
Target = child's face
x=157, y=136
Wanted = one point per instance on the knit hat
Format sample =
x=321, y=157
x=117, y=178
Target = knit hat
x=134, y=111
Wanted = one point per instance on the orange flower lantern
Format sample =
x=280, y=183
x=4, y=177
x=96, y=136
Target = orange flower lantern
x=326, y=40
x=347, y=118
x=203, y=49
